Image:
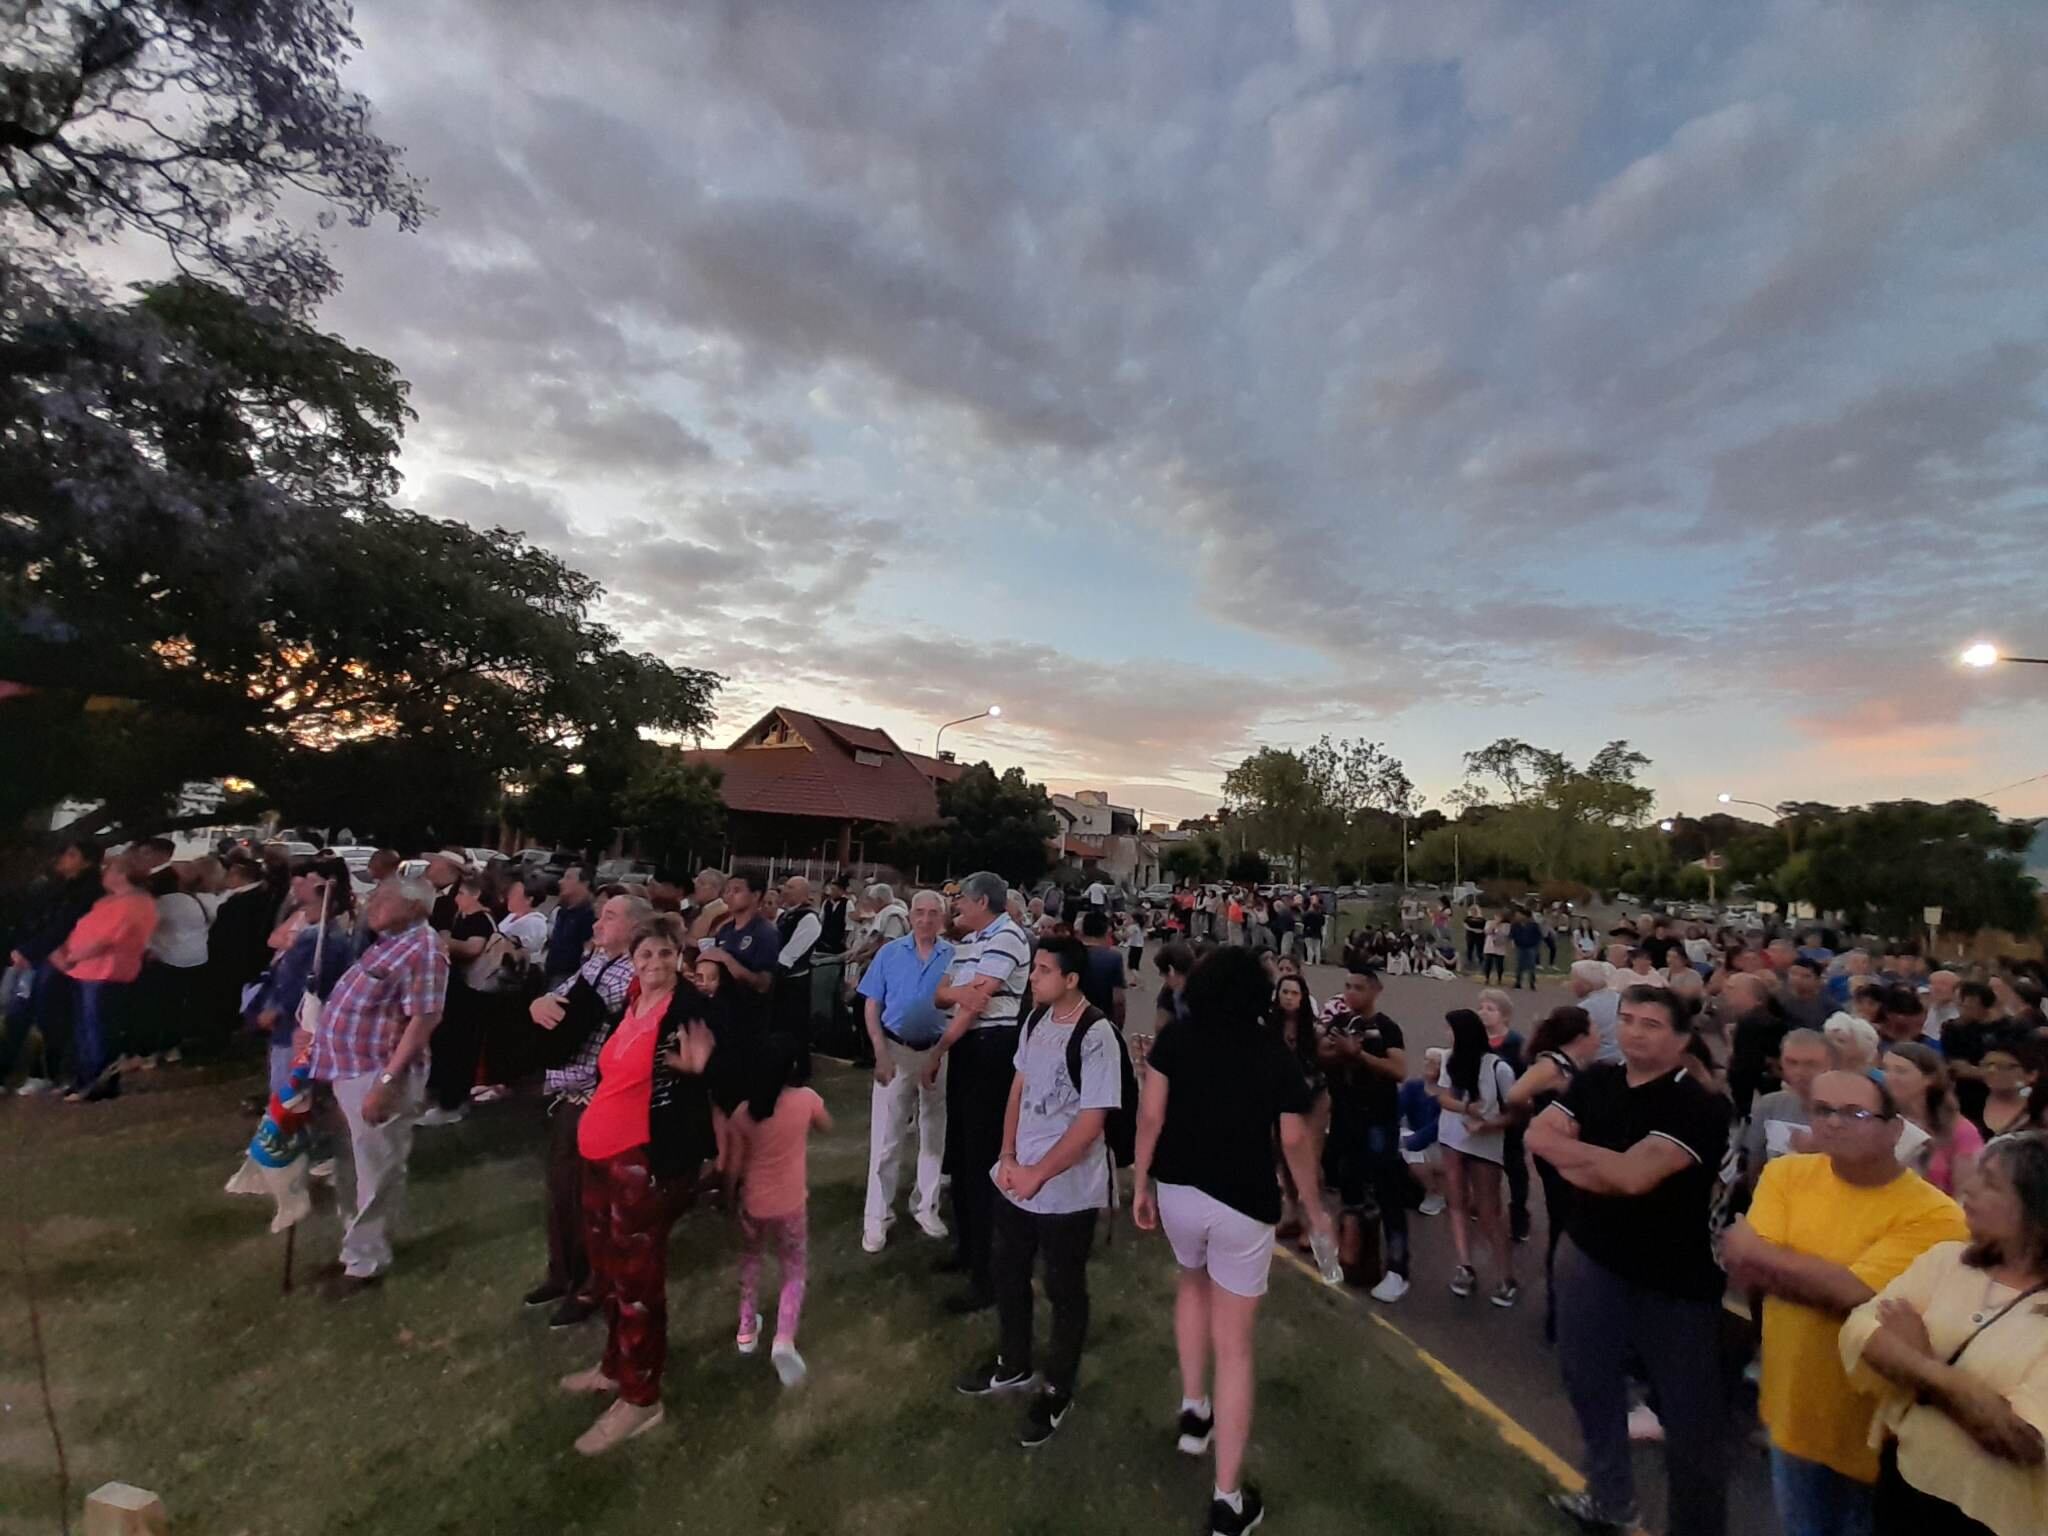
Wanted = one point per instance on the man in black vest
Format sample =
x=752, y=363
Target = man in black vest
x=799, y=927
x=832, y=919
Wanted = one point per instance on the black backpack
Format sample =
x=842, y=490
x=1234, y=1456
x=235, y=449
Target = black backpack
x=1120, y=1125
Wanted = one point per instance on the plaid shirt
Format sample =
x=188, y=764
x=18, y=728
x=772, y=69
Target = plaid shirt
x=399, y=976
x=610, y=976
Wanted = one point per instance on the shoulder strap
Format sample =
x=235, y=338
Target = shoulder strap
x=2026, y=1295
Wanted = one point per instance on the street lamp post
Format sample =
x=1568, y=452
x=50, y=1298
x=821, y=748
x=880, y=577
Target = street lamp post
x=993, y=712
x=1984, y=654
x=1791, y=844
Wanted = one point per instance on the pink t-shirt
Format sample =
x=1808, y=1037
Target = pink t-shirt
x=123, y=924
x=776, y=1182
x=1964, y=1141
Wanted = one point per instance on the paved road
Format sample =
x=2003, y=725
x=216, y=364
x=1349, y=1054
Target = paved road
x=1502, y=1352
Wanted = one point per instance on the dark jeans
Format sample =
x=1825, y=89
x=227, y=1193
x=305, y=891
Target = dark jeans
x=1525, y=965
x=977, y=1098
x=1495, y=967
x=97, y=1011
x=1900, y=1509
x=44, y=1009
x=1364, y=1158
x=568, y=1256
x=1557, y=1193
x=1475, y=947
x=1020, y=1237
x=793, y=1018
x=1605, y=1324
x=166, y=997
x=1516, y=1162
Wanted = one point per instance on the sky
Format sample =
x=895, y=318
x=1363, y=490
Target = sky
x=1199, y=376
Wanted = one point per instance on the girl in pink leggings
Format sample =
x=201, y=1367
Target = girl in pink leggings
x=769, y=1137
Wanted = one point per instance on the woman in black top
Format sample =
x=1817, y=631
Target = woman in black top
x=1563, y=1044
x=1217, y=1086
x=459, y=1041
x=1293, y=1018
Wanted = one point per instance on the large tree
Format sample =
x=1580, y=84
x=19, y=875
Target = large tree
x=1551, y=817
x=200, y=575
x=1883, y=864
x=1001, y=822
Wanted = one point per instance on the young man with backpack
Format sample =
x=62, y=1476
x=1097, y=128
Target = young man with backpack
x=1052, y=1179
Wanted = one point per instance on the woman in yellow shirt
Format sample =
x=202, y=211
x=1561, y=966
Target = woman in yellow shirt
x=1960, y=1341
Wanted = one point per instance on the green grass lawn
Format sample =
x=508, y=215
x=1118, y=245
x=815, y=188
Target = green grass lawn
x=430, y=1406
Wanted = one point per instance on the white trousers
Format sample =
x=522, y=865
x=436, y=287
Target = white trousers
x=371, y=1187
x=905, y=1112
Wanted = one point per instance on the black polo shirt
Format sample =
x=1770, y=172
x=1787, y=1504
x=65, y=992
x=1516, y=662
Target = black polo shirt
x=1656, y=1240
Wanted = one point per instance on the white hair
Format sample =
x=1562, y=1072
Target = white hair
x=1853, y=1040
x=986, y=885
x=926, y=898
x=881, y=893
x=1593, y=973
x=416, y=890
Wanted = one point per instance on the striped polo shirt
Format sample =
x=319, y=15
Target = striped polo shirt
x=1000, y=950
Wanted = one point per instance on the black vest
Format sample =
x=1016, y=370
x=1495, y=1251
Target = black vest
x=785, y=927
x=832, y=940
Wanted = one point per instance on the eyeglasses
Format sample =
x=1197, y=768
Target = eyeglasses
x=1855, y=1114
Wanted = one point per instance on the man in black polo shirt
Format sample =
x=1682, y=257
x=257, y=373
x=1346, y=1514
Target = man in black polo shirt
x=1963, y=1039
x=748, y=947
x=1364, y=1055
x=1640, y=1142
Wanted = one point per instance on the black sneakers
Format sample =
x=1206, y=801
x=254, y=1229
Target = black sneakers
x=989, y=1377
x=1590, y=1516
x=546, y=1294
x=1196, y=1431
x=1225, y=1521
x=1047, y=1412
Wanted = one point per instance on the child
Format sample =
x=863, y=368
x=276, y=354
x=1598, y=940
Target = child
x=767, y=1153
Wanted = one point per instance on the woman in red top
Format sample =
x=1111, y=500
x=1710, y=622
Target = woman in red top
x=101, y=957
x=646, y=1129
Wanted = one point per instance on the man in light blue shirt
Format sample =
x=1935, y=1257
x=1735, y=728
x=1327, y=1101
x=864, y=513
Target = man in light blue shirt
x=905, y=1025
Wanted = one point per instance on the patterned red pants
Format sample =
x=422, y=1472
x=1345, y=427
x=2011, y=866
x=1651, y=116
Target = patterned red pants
x=625, y=1228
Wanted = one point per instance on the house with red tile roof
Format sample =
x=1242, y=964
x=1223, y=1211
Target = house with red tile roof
x=799, y=786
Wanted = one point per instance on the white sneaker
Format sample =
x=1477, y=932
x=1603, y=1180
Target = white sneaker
x=789, y=1365
x=35, y=1085
x=324, y=1169
x=436, y=1115
x=1644, y=1425
x=929, y=1224
x=872, y=1239
x=1392, y=1288
x=1432, y=1205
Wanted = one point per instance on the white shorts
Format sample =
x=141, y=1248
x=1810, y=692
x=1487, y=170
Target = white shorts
x=1206, y=1234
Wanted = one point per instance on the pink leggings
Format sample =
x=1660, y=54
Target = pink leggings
x=791, y=1246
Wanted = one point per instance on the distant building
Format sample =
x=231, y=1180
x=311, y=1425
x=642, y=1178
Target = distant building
x=1102, y=841
x=800, y=786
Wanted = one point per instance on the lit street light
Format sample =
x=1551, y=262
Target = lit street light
x=993, y=712
x=1984, y=654
x=1776, y=815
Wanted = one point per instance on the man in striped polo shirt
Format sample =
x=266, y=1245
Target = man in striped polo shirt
x=984, y=996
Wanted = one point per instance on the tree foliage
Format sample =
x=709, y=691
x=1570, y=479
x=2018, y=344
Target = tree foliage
x=1001, y=822
x=1336, y=801
x=1882, y=864
x=185, y=124
x=674, y=811
x=1548, y=816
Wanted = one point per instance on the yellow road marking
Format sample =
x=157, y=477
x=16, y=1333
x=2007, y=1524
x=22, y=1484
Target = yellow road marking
x=1509, y=1428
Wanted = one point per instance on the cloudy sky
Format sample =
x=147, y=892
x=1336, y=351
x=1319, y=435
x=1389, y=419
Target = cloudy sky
x=1191, y=376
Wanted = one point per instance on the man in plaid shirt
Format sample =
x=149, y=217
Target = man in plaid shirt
x=608, y=972
x=371, y=1049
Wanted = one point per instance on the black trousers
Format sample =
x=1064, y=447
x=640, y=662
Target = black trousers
x=568, y=1259
x=1020, y=1238
x=977, y=1096
x=1516, y=1161
x=458, y=1046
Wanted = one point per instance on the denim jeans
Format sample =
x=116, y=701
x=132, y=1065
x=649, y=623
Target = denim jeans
x=1525, y=965
x=1816, y=1500
x=1363, y=1158
x=37, y=1009
x=95, y=1021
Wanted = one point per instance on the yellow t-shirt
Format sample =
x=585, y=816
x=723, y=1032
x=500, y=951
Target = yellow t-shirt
x=1806, y=1400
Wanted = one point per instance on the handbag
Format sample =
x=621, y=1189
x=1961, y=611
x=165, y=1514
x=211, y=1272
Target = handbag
x=310, y=1001
x=501, y=968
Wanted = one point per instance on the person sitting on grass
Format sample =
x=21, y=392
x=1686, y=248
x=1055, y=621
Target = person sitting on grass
x=770, y=1135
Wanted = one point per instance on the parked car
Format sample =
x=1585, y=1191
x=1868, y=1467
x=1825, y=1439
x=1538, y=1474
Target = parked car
x=354, y=855
x=482, y=858
x=624, y=872
x=1158, y=895
x=296, y=850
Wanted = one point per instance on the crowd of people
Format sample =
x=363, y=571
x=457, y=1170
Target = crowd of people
x=1850, y=1140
